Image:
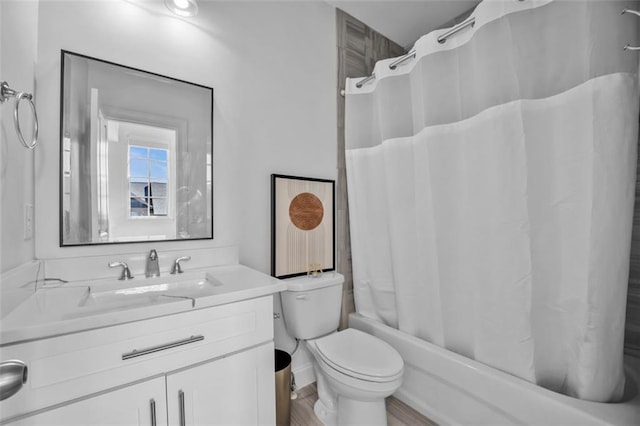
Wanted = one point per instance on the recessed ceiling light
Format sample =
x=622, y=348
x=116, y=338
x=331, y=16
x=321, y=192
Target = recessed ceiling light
x=185, y=8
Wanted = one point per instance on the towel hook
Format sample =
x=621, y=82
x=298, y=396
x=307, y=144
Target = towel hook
x=5, y=93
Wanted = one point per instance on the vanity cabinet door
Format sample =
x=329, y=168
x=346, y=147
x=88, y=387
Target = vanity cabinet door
x=235, y=390
x=127, y=406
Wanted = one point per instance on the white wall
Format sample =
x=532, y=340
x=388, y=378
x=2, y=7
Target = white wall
x=273, y=68
x=18, y=37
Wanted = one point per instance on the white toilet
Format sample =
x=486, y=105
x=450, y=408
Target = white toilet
x=355, y=371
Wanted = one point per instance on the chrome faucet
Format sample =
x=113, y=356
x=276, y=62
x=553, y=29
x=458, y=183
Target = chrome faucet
x=176, y=268
x=126, y=273
x=153, y=267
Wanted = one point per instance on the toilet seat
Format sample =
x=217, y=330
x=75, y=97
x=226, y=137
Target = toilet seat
x=360, y=355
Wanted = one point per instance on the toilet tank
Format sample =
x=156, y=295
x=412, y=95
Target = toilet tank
x=311, y=306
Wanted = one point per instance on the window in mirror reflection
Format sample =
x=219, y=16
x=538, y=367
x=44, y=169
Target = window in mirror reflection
x=148, y=175
x=141, y=194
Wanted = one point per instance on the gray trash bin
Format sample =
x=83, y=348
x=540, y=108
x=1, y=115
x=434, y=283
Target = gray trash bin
x=283, y=388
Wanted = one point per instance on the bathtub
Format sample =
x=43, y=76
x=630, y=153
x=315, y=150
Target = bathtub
x=451, y=389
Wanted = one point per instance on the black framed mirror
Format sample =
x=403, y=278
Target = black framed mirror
x=136, y=153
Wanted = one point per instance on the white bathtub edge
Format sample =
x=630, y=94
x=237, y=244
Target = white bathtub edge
x=456, y=390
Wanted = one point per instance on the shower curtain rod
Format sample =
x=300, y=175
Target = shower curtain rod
x=443, y=38
x=412, y=54
x=393, y=65
x=454, y=30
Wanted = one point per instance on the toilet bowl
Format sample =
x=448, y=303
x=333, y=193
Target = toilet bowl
x=360, y=371
x=355, y=371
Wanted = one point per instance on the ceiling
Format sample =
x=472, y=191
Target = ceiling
x=404, y=21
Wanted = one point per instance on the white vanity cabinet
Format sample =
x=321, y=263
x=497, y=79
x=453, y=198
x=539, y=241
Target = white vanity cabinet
x=230, y=391
x=206, y=366
x=141, y=404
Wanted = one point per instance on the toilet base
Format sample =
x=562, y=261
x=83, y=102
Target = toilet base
x=351, y=412
x=327, y=416
x=354, y=412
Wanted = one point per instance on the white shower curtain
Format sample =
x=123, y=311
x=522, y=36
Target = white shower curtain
x=491, y=185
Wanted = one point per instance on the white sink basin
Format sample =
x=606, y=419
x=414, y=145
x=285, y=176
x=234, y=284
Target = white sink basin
x=159, y=291
x=84, y=299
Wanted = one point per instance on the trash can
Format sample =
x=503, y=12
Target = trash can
x=283, y=388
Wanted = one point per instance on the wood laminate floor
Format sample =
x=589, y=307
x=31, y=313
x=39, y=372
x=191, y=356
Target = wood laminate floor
x=398, y=413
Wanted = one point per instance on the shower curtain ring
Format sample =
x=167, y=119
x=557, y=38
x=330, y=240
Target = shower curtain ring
x=633, y=12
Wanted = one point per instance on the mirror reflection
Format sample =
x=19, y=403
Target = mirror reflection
x=136, y=153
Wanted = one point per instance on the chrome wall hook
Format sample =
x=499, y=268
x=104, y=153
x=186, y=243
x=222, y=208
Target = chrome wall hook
x=6, y=92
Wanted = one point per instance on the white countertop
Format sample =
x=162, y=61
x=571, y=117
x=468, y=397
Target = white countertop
x=85, y=305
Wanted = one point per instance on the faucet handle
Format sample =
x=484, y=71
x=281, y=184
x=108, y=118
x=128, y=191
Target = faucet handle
x=176, y=268
x=126, y=273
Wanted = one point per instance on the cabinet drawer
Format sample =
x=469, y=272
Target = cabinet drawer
x=74, y=365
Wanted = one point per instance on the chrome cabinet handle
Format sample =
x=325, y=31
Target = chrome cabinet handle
x=183, y=422
x=153, y=412
x=136, y=353
x=13, y=374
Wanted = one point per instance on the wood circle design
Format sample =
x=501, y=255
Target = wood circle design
x=306, y=211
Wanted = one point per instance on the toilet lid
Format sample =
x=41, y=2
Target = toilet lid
x=360, y=355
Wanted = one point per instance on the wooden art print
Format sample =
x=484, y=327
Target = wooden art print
x=302, y=226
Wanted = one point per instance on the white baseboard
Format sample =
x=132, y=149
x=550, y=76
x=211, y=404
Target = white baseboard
x=304, y=375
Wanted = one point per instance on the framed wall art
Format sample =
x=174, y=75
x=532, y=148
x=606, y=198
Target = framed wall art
x=302, y=226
